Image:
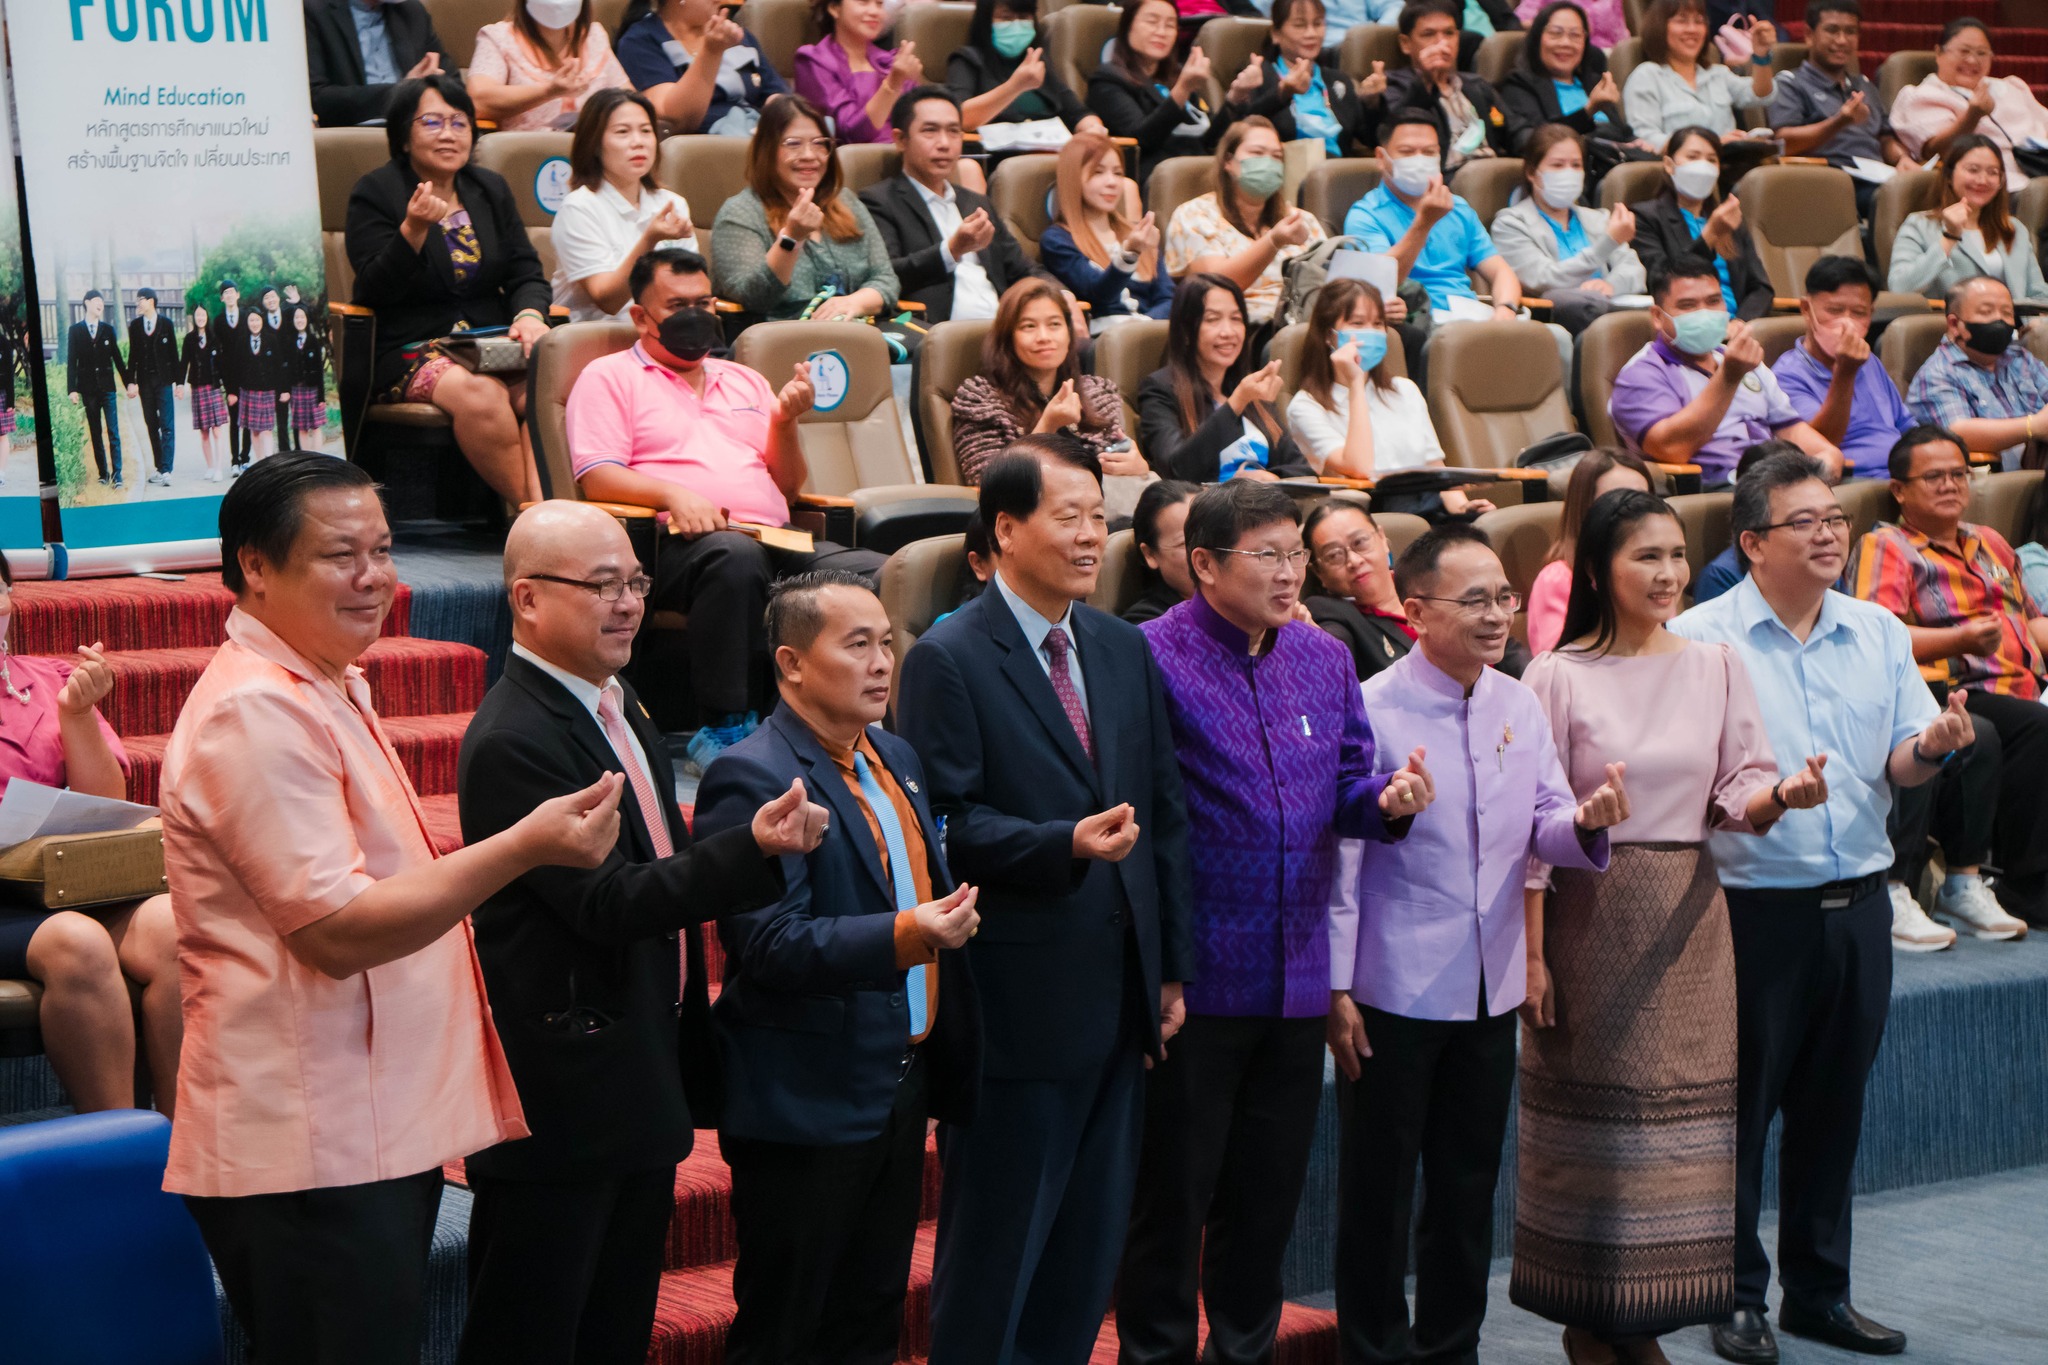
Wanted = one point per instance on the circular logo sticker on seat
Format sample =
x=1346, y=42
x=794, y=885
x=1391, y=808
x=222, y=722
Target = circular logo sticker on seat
x=829, y=380
x=551, y=183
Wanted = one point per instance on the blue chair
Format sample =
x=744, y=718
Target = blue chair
x=99, y=1264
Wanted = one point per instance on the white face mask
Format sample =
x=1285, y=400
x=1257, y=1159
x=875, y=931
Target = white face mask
x=1413, y=175
x=1695, y=179
x=554, y=13
x=1560, y=189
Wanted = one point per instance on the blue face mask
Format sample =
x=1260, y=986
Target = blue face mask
x=1372, y=345
x=1700, y=332
x=1013, y=37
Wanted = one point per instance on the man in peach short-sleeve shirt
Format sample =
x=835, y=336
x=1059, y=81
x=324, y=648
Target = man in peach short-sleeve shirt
x=338, y=1047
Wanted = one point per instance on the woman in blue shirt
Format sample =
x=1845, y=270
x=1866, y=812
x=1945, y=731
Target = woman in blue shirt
x=1691, y=220
x=1094, y=247
x=702, y=72
x=1301, y=96
x=1561, y=78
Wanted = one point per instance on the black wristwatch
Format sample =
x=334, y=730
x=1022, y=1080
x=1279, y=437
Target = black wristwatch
x=786, y=242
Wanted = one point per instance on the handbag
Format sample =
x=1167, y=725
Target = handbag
x=484, y=354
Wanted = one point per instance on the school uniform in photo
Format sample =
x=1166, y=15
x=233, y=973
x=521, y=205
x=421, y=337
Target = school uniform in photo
x=154, y=366
x=224, y=326
x=93, y=360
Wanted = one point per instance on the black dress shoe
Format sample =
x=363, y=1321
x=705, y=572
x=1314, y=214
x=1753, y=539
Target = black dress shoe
x=1839, y=1324
x=1746, y=1338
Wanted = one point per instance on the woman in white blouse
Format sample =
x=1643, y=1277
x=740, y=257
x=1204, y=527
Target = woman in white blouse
x=536, y=70
x=1350, y=416
x=1679, y=83
x=615, y=214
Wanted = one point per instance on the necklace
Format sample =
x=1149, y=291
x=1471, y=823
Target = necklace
x=7, y=679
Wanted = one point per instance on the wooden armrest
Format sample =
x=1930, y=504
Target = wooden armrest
x=1537, y=305
x=558, y=310
x=1802, y=160
x=487, y=125
x=823, y=500
x=909, y=306
x=1675, y=469
x=617, y=509
x=1342, y=481
x=352, y=310
x=1983, y=457
x=725, y=306
x=1123, y=142
x=1783, y=305
x=1517, y=475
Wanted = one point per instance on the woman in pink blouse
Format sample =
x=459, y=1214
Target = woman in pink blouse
x=1625, y=1216
x=534, y=70
x=51, y=732
x=845, y=74
x=1601, y=470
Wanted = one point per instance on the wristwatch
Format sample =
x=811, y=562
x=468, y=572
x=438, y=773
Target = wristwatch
x=786, y=242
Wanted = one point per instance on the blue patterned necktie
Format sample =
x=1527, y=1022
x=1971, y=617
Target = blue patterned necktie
x=899, y=874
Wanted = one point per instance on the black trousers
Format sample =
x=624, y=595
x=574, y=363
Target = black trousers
x=825, y=1238
x=1956, y=810
x=720, y=582
x=1439, y=1090
x=1230, y=1116
x=565, y=1272
x=2019, y=833
x=103, y=426
x=332, y=1276
x=1812, y=988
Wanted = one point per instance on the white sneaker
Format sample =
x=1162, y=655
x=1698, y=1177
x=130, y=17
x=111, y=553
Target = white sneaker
x=1978, y=910
x=1912, y=931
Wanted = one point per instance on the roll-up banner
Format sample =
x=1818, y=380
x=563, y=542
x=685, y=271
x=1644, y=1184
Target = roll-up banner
x=21, y=502
x=167, y=155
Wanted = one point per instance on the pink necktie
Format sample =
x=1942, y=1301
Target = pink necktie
x=1063, y=688
x=652, y=813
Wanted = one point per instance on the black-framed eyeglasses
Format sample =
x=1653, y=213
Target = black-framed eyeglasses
x=1806, y=523
x=1270, y=559
x=607, y=589
x=1475, y=604
x=1359, y=546
x=1941, y=478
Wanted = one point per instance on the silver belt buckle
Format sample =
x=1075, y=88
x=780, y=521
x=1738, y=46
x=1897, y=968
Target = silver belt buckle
x=1837, y=899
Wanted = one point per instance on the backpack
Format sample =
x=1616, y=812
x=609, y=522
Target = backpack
x=1303, y=276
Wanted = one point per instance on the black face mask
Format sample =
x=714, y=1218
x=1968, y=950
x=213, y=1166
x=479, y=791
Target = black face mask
x=690, y=334
x=1989, y=338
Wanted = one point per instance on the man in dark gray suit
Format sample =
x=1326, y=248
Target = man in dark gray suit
x=356, y=50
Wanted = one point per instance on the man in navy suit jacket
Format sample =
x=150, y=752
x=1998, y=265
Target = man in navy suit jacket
x=847, y=1018
x=1043, y=727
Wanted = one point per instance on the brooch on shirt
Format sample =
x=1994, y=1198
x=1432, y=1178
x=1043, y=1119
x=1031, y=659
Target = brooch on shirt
x=1752, y=383
x=1500, y=750
x=912, y=786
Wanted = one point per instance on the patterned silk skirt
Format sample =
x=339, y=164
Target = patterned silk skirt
x=1625, y=1204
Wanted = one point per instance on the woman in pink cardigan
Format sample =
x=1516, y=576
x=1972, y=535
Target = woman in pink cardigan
x=855, y=82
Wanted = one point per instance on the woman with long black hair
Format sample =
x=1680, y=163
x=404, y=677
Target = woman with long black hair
x=1207, y=415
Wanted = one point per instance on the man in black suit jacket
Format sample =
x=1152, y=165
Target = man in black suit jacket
x=847, y=1018
x=228, y=329
x=1043, y=729
x=345, y=89
x=947, y=245
x=611, y=1052
x=92, y=357
x=154, y=369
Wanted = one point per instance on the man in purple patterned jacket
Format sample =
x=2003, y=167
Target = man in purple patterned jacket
x=1277, y=758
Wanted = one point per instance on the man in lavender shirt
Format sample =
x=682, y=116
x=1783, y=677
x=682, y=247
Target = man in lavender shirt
x=1428, y=957
x=1276, y=757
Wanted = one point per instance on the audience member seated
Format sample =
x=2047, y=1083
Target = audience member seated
x=1243, y=229
x=1969, y=230
x=1433, y=235
x=527, y=74
x=1464, y=106
x=1598, y=471
x=1829, y=108
x=1561, y=79
x=708, y=442
x=1300, y=94
x=357, y=51
x=1577, y=257
x=1728, y=568
x=2033, y=549
x=1830, y=377
x=1961, y=96
x=946, y=243
x=1681, y=83
x=793, y=243
x=1001, y=75
x=1159, y=528
x=438, y=247
x=1957, y=587
x=1606, y=20
x=1207, y=415
x=1700, y=392
x=614, y=213
x=52, y=733
x=1352, y=594
x=1107, y=261
x=1031, y=381
x=723, y=93
x=1981, y=383
x=1143, y=91
x=848, y=76
x=1691, y=222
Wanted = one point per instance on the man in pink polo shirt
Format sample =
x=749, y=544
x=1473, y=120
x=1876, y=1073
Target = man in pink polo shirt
x=709, y=442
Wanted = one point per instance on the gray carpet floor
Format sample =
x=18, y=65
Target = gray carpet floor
x=1959, y=1267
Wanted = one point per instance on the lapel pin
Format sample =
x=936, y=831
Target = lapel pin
x=912, y=786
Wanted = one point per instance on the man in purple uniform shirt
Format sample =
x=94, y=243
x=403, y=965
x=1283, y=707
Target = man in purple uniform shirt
x=1276, y=757
x=1428, y=958
x=1830, y=376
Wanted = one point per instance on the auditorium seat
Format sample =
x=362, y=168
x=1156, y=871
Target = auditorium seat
x=1907, y=343
x=920, y=583
x=1632, y=182
x=1365, y=44
x=1125, y=354
x=456, y=23
x=1907, y=192
x=1522, y=537
x=1907, y=66
x=1778, y=334
x=1498, y=55
x=1624, y=57
x=21, y=1009
x=558, y=358
x=939, y=30
x=1074, y=39
x=1401, y=529
x=2030, y=206
x=1174, y=182
x=1495, y=388
x=1610, y=343
x=1705, y=518
x=855, y=453
x=706, y=170
x=1230, y=43
x=1121, y=579
x=1329, y=190
x=341, y=157
x=950, y=355
x=1018, y=188
x=519, y=158
x=780, y=27
x=1488, y=183
x=1796, y=215
x=612, y=14
x=2000, y=502
x=1865, y=502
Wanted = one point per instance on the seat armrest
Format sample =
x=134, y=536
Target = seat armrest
x=825, y=516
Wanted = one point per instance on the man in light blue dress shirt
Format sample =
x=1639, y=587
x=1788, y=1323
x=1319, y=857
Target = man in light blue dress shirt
x=1808, y=906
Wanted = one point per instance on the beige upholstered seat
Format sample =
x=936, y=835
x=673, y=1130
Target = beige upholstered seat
x=1796, y=215
x=1121, y=579
x=2000, y=502
x=780, y=27
x=1018, y=189
x=1604, y=348
x=1907, y=343
x=1497, y=56
x=1365, y=44
x=938, y=30
x=1778, y=334
x=1904, y=67
x=1175, y=181
x=558, y=358
x=1125, y=354
x=1624, y=57
x=1332, y=188
x=1488, y=183
x=950, y=355
x=1865, y=502
x=519, y=158
x=1705, y=517
x=706, y=171
x=1632, y=182
x=920, y=583
x=1230, y=43
x=1522, y=536
x=1401, y=529
x=456, y=23
x=1907, y=192
x=1074, y=39
x=1495, y=388
x=341, y=157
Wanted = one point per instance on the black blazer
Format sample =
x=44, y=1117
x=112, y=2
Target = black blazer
x=1407, y=89
x=1177, y=453
x=1356, y=127
x=222, y=333
x=1662, y=236
x=1531, y=101
x=1066, y=946
x=153, y=356
x=302, y=364
x=971, y=72
x=342, y=94
x=913, y=239
x=1133, y=108
x=202, y=363
x=92, y=359
x=581, y=964
x=1374, y=641
x=812, y=1019
x=414, y=292
x=258, y=369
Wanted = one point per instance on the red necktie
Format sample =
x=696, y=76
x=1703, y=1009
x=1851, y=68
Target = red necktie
x=652, y=813
x=1063, y=687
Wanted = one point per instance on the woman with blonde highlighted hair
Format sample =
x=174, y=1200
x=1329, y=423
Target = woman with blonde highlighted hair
x=1094, y=246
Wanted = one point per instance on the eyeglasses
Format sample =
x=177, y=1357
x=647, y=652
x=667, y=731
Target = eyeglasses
x=1941, y=478
x=436, y=123
x=1476, y=604
x=1270, y=560
x=607, y=589
x=1806, y=523
x=1359, y=546
x=821, y=145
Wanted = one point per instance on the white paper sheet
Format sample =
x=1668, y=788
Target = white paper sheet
x=1376, y=268
x=1875, y=172
x=1031, y=135
x=30, y=810
x=1461, y=309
